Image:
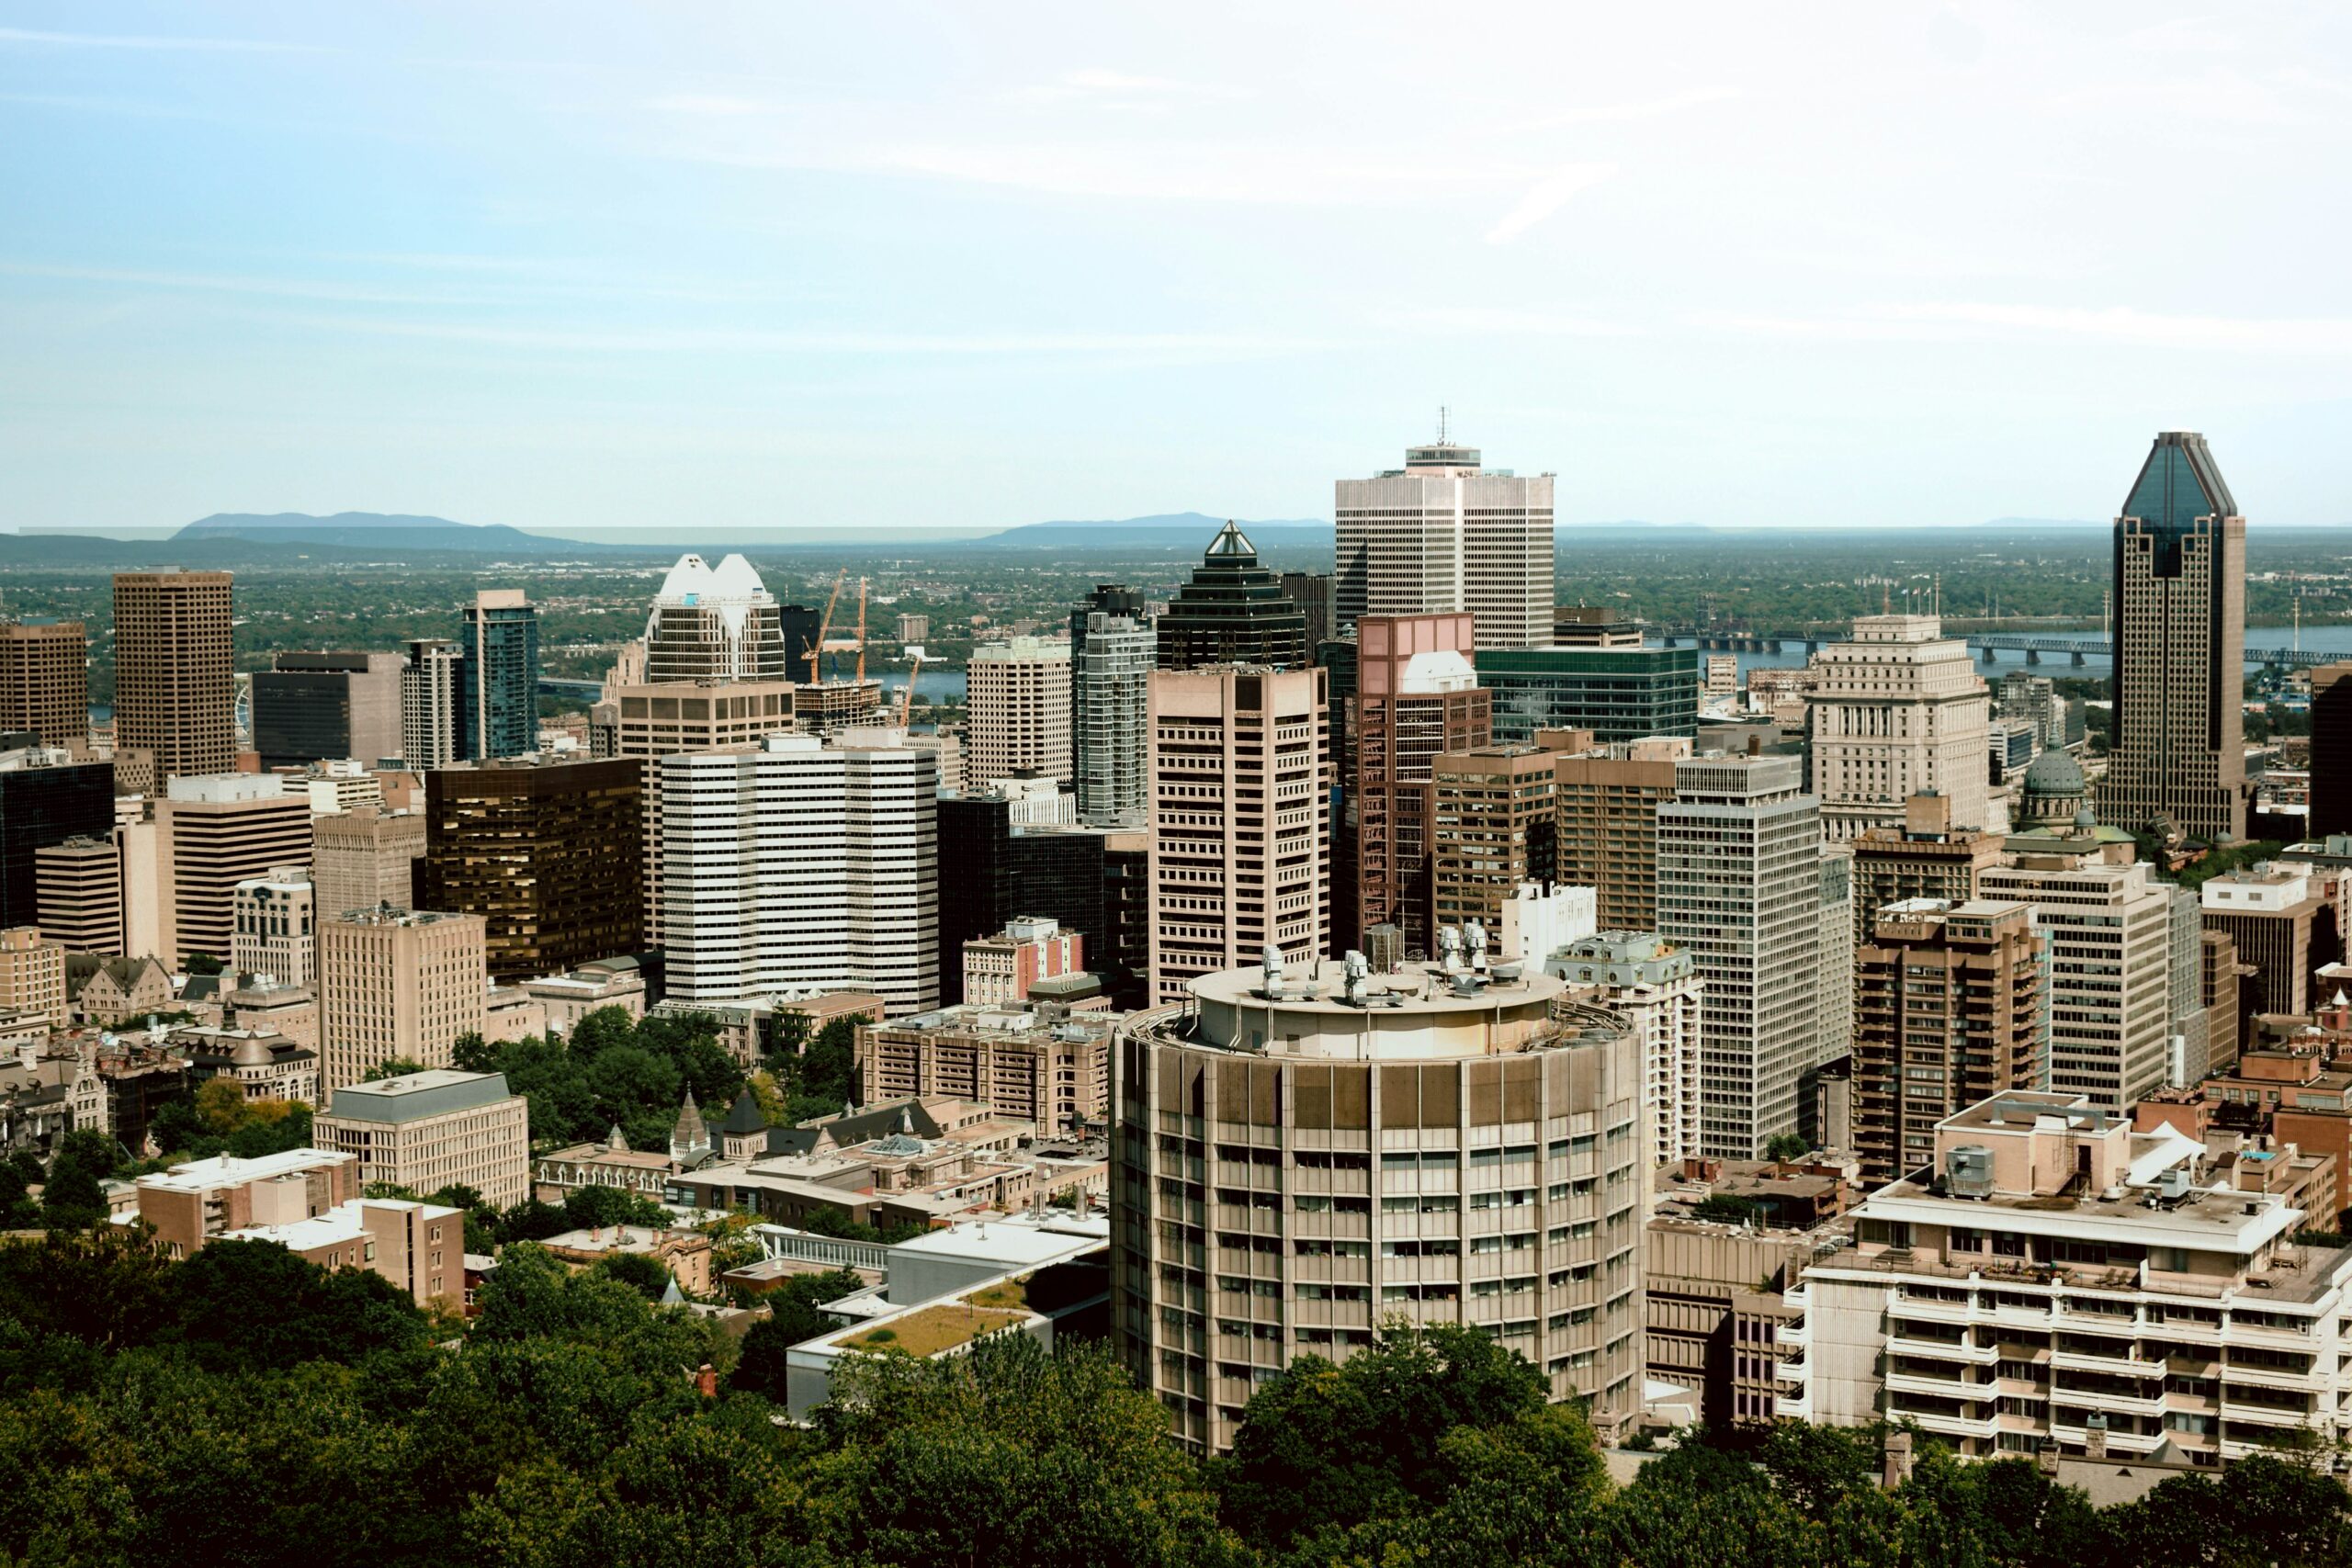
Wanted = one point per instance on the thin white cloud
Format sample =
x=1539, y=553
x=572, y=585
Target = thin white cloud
x=1093, y=83
x=1546, y=196
x=754, y=341
x=1646, y=108
x=143, y=41
x=1519, y=323
x=1955, y=320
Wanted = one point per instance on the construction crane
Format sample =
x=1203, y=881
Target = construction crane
x=815, y=650
x=907, y=697
x=841, y=644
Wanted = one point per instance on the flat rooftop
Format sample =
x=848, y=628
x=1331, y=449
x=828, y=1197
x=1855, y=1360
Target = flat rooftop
x=1321, y=987
x=228, y=1170
x=434, y=1092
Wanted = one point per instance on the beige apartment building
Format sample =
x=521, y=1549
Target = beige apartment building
x=365, y=857
x=1608, y=798
x=396, y=983
x=79, y=893
x=435, y=1129
x=1897, y=712
x=2067, y=1280
x=1017, y=701
x=210, y=833
x=32, y=974
x=174, y=686
x=1044, y=1065
x=1240, y=820
x=44, y=681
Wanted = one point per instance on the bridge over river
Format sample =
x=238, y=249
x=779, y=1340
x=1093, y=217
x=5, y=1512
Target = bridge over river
x=2080, y=650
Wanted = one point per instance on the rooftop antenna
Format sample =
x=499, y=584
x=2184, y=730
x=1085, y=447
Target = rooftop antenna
x=1441, y=425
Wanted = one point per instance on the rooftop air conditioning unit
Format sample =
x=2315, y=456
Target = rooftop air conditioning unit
x=1968, y=1171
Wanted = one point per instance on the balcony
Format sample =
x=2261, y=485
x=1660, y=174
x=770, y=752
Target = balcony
x=1932, y=1310
x=2273, y=1376
x=1936, y=1387
x=1940, y=1350
x=2127, y=1365
x=1978, y=1427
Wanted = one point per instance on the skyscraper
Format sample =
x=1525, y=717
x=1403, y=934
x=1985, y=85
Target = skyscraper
x=1111, y=681
x=44, y=680
x=319, y=707
x=1443, y=534
x=544, y=852
x=1417, y=696
x=1739, y=884
x=172, y=685
x=1950, y=1008
x=1311, y=592
x=798, y=866
x=1241, y=823
x=498, y=678
x=713, y=625
x=211, y=834
x=396, y=983
x=2331, y=808
x=1017, y=708
x=1619, y=694
x=2178, y=755
x=1896, y=712
x=46, y=798
x=1494, y=812
x=429, y=704
x=1232, y=612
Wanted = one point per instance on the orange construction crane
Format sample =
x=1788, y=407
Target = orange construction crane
x=817, y=649
x=907, y=697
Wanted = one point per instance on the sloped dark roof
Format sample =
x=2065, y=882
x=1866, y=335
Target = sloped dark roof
x=744, y=1116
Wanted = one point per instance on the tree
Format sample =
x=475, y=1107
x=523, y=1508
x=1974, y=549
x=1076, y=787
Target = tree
x=71, y=1198
x=394, y=1067
x=1787, y=1145
x=1323, y=1448
x=254, y=1305
x=17, y=1210
x=221, y=1105
x=641, y=1272
x=205, y=963
x=1729, y=1209
x=793, y=1320
x=590, y=1208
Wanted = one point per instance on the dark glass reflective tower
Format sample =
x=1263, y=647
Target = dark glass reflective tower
x=1233, y=611
x=498, y=677
x=2178, y=760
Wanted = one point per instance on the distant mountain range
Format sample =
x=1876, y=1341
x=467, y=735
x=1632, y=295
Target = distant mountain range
x=378, y=529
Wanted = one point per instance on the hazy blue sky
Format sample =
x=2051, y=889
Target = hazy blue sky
x=764, y=264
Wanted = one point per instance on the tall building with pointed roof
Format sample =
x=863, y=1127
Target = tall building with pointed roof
x=717, y=624
x=1444, y=534
x=2177, y=759
x=1233, y=611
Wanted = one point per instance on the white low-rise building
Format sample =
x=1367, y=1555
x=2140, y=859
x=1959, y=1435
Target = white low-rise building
x=2065, y=1280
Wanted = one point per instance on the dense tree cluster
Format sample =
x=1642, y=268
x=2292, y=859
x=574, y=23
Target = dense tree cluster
x=245, y=1408
x=613, y=1071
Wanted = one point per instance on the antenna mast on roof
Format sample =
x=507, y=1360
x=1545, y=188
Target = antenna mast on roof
x=1441, y=425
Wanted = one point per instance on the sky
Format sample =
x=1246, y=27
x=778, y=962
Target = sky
x=875, y=266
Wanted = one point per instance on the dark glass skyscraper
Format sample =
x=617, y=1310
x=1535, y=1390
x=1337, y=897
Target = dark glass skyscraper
x=2178, y=762
x=1233, y=611
x=42, y=804
x=498, y=677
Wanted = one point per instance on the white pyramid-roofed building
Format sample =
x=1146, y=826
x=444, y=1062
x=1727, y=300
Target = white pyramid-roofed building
x=711, y=625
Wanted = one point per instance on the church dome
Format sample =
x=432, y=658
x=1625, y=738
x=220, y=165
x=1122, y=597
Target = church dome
x=2054, y=772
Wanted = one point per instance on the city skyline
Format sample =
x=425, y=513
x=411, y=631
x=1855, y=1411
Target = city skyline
x=686, y=274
